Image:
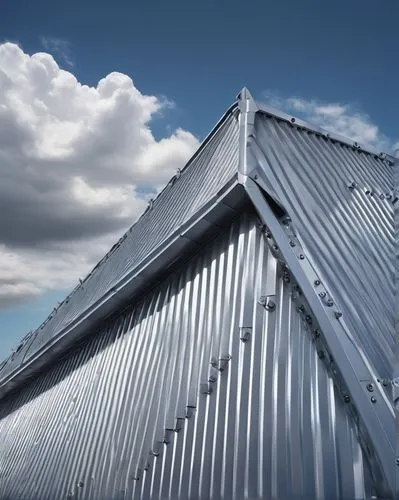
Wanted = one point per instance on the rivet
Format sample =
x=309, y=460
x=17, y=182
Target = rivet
x=286, y=221
x=308, y=319
x=321, y=354
x=275, y=248
x=316, y=282
x=262, y=300
x=370, y=387
x=245, y=335
x=270, y=306
x=292, y=243
x=322, y=295
x=301, y=256
x=301, y=308
x=338, y=314
x=179, y=423
x=373, y=399
x=255, y=177
x=292, y=120
x=329, y=303
x=80, y=484
x=347, y=398
x=316, y=333
x=190, y=411
x=397, y=461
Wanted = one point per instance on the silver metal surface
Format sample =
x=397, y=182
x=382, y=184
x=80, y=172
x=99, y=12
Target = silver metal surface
x=228, y=379
x=273, y=425
x=349, y=233
x=208, y=172
x=375, y=413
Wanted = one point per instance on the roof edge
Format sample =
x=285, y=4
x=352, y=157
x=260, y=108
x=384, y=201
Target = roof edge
x=298, y=122
x=222, y=206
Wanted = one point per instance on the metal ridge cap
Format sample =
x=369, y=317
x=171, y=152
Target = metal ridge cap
x=298, y=122
x=121, y=288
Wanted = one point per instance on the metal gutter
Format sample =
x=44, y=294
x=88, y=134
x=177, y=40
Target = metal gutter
x=187, y=238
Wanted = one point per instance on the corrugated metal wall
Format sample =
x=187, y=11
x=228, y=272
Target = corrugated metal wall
x=198, y=183
x=272, y=427
x=349, y=232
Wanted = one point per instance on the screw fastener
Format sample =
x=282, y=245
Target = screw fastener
x=370, y=387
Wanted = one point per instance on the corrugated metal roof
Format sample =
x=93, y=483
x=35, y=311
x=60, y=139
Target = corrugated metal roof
x=340, y=199
x=274, y=426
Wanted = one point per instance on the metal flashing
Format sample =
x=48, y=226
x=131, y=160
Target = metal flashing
x=303, y=124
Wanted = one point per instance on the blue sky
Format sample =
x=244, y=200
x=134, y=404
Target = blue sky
x=301, y=55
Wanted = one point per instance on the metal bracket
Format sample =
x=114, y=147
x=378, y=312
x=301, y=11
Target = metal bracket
x=377, y=415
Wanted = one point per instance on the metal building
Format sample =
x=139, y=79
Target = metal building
x=238, y=342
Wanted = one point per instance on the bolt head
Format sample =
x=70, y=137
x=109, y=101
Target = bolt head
x=373, y=399
x=292, y=243
x=370, y=387
x=316, y=282
x=330, y=303
x=322, y=295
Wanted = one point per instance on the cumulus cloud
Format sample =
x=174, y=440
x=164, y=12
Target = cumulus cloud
x=75, y=161
x=343, y=119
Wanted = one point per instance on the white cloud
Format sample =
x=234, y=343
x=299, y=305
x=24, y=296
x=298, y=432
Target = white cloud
x=73, y=160
x=343, y=119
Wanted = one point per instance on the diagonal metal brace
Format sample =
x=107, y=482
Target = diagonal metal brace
x=376, y=414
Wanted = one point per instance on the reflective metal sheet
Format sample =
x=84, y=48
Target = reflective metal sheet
x=272, y=425
x=341, y=203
